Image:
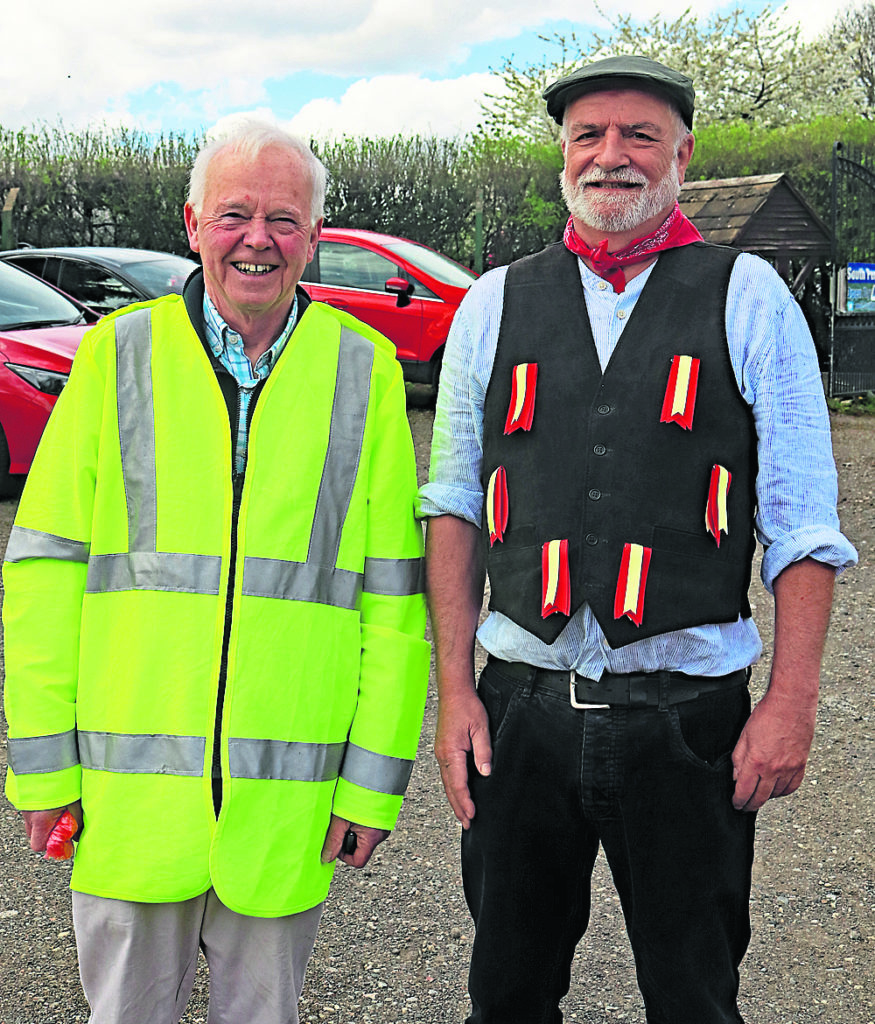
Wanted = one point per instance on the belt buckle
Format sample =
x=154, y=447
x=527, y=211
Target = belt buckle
x=572, y=692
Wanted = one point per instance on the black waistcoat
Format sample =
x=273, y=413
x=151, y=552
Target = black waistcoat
x=600, y=470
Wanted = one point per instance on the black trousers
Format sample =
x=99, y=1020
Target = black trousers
x=653, y=787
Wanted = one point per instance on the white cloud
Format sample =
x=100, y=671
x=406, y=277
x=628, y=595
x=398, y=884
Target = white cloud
x=815, y=16
x=393, y=104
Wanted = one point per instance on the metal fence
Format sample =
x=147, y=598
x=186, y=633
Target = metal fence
x=852, y=341
x=852, y=359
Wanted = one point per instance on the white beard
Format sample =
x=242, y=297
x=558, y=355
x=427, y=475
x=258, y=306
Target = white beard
x=615, y=214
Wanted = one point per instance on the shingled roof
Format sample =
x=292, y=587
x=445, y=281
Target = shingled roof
x=764, y=213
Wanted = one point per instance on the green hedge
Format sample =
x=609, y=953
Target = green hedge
x=121, y=187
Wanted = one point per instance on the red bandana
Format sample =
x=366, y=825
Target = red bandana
x=676, y=230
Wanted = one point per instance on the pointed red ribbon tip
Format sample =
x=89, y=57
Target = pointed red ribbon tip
x=716, y=516
x=497, y=505
x=632, y=582
x=555, y=579
x=679, y=403
x=522, y=397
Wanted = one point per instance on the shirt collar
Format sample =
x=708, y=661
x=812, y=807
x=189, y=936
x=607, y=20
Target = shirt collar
x=221, y=336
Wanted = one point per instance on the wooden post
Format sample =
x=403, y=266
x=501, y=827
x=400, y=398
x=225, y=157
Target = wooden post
x=7, y=225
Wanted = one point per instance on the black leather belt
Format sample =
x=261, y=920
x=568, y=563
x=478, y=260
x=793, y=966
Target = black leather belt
x=613, y=690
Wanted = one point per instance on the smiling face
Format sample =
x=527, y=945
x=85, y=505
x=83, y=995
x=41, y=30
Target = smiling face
x=625, y=158
x=255, y=235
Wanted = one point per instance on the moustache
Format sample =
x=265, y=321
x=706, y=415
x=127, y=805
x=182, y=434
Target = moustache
x=622, y=174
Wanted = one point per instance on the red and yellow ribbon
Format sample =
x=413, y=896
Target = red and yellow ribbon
x=680, y=392
x=716, y=519
x=555, y=579
x=496, y=505
x=522, y=398
x=631, y=583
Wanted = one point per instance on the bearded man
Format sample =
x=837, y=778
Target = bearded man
x=619, y=417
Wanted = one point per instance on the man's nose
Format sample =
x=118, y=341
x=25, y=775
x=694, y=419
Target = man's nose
x=613, y=152
x=257, y=234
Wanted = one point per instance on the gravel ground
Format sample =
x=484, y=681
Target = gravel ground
x=395, y=938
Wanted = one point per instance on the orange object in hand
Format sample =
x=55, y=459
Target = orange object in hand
x=59, y=845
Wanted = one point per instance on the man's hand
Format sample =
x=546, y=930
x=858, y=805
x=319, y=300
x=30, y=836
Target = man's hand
x=772, y=751
x=39, y=824
x=462, y=726
x=367, y=840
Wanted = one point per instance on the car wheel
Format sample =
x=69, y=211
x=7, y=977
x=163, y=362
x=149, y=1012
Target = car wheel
x=10, y=486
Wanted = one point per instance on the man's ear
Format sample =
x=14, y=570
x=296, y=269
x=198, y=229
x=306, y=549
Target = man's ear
x=315, y=234
x=685, y=154
x=191, y=227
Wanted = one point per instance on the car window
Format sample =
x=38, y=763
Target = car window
x=26, y=301
x=440, y=267
x=349, y=266
x=96, y=287
x=420, y=291
x=35, y=264
x=161, y=277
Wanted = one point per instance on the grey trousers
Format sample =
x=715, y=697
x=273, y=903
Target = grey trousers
x=137, y=961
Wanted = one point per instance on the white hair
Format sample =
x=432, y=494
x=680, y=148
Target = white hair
x=248, y=137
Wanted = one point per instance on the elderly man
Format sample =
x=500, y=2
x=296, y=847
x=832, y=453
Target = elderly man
x=214, y=617
x=617, y=415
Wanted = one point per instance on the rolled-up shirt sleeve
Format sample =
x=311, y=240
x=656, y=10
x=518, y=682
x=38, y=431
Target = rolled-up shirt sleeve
x=454, y=486
x=778, y=373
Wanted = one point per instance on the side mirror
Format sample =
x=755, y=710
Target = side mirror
x=400, y=287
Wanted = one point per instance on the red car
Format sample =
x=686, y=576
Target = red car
x=405, y=290
x=40, y=330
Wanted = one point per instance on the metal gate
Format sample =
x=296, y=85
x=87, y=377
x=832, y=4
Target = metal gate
x=852, y=358
x=852, y=336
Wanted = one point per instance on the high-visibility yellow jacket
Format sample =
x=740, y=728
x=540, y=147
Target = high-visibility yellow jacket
x=134, y=583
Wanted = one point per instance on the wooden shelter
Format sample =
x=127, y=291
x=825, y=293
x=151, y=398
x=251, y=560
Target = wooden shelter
x=765, y=214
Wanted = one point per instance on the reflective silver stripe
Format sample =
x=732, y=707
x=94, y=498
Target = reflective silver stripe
x=394, y=577
x=348, y=414
x=376, y=771
x=27, y=543
x=36, y=755
x=277, y=759
x=136, y=424
x=154, y=570
x=318, y=579
x=142, y=754
x=301, y=581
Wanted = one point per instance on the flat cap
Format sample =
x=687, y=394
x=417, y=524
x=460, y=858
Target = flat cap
x=630, y=72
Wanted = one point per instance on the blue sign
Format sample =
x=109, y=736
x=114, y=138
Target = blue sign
x=861, y=288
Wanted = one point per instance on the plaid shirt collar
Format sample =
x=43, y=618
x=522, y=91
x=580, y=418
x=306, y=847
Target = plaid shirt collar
x=227, y=345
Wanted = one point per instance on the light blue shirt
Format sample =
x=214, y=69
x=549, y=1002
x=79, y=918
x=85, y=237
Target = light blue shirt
x=776, y=368
x=227, y=347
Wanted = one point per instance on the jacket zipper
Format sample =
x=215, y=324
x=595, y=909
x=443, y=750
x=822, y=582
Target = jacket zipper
x=237, y=481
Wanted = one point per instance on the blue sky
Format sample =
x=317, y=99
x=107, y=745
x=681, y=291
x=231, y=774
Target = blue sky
x=354, y=67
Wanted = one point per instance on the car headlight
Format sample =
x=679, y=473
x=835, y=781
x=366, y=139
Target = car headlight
x=50, y=382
